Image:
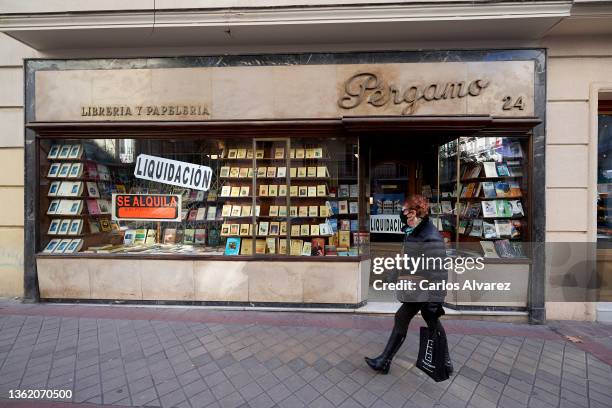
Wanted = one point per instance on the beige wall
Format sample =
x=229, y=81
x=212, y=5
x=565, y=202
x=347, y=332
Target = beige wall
x=11, y=165
x=576, y=68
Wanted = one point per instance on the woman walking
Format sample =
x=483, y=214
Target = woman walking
x=422, y=240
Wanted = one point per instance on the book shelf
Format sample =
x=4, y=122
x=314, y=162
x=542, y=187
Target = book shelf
x=483, y=195
x=76, y=184
x=301, y=209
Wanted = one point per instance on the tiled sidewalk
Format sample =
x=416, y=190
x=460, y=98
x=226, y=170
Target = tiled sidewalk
x=189, y=357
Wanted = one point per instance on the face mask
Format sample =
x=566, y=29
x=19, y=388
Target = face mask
x=403, y=218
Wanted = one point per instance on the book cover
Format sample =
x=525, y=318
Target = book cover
x=140, y=236
x=343, y=190
x=502, y=189
x=274, y=228
x=322, y=172
x=128, y=237
x=488, y=230
x=260, y=246
x=241, y=154
x=271, y=172
x=64, y=152
x=282, y=211
x=263, y=228
x=92, y=189
x=64, y=170
x=502, y=170
x=343, y=207
x=105, y=206
x=503, y=228
x=311, y=171
x=273, y=190
x=54, y=151
x=151, y=237
x=300, y=153
x=169, y=235
x=312, y=191
x=447, y=207
x=354, y=190
x=293, y=172
x=74, y=246
x=193, y=215
x=61, y=246
x=296, y=247
x=504, y=249
x=304, y=230
x=490, y=169
x=281, y=172
x=282, y=190
x=516, y=229
x=92, y=207
x=315, y=230
x=225, y=229
x=189, y=236
x=344, y=238
x=232, y=153
x=244, y=229
x=226, y=191
x=318, y=246
x=246, y=247
x=489, y=189
x=271, y=245
x=236, y=210
x=273, y=211
x=279, y=153
x=488, y=248
x=504, y=209
x=235, y=191
x=293, y=191
x=76, y=227
x=51, y=245
x=234, y=172
x=313, y=211
x=476, y=228
x=489, y=209
x=227, y=210
x=295, y=230
x=91, y=170
x=515, y=189
x=232, y=246
x=307, y=249
x=301, y=172
x=201, y=214
x=245, y=211
x=263, y=190
x=353, y=207
x=517, y=208
x=302, y=191
x=76, y=170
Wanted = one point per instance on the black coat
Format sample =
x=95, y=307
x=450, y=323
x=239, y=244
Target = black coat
x=425, y=242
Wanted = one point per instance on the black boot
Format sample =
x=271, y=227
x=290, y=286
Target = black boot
x=382, y=363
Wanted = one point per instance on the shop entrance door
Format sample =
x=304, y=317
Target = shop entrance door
x=400, y=167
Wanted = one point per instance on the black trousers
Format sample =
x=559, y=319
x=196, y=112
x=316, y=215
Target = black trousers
x=431, y=312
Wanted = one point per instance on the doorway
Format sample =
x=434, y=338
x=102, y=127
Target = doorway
x=401, y=166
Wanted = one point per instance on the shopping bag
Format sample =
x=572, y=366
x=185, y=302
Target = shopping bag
x=434, y=358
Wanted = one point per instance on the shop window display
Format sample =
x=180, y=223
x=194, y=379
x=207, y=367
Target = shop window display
x=482, y=204
x=234, y=197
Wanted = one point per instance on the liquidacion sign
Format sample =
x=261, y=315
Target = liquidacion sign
x=173, y=172
x=386, y=224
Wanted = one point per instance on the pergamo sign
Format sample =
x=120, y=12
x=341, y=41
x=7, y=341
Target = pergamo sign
x=173, y=172
x=385, y=224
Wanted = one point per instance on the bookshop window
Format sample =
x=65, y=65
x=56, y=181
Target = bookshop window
x=604, y=179
x=481, y=207
x=233, y=197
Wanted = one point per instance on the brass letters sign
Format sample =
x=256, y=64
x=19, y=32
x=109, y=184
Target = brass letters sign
x=366, y=87
x=496, y=88
x=150, y=110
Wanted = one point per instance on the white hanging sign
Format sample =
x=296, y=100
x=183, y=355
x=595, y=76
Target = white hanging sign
x=173, y=172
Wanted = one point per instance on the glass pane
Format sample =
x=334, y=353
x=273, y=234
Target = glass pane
x=166, y=196
x=493, y=192
x=324, y=196
x=444, y=198
x=604, y=180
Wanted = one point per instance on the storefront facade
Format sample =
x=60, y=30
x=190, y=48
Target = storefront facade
x=286, y=117
x=514, y=92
